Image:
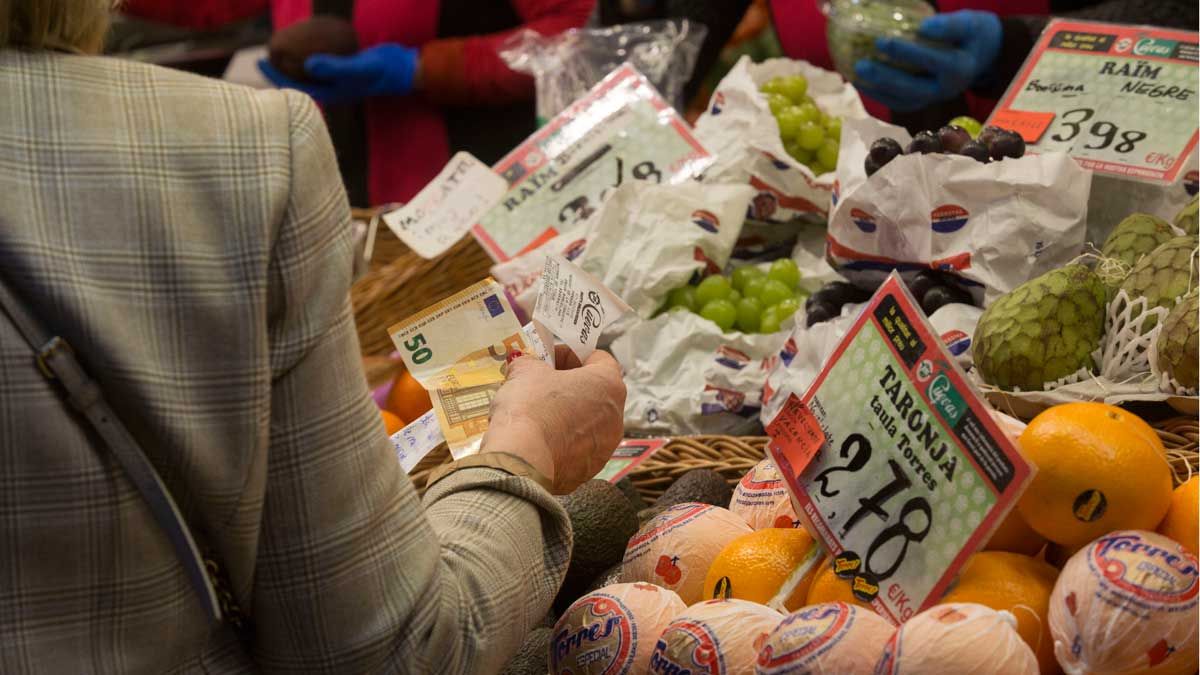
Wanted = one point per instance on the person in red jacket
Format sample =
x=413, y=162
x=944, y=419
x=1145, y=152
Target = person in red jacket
x=428, y=74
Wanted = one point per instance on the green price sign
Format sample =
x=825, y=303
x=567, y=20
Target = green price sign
x=1121, y=100
x=908, y=474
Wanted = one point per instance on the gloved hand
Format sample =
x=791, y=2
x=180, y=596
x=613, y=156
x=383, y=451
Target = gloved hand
x=384, y=70
x=973, y=38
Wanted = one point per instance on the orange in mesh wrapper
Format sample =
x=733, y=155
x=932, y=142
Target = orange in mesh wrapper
x=458, y=350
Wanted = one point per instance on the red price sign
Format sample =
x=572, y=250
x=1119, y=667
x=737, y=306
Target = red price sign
x=894, y=461
x=1121, y=100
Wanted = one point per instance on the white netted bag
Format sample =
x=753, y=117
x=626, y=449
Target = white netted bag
x=739, y=129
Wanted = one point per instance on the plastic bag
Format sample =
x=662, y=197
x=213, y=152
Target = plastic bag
x=740, y=130
x=565, y=66
x=996, y=225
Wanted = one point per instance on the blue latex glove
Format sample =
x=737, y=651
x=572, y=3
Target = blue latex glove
x=973, y=38
x=383, y=70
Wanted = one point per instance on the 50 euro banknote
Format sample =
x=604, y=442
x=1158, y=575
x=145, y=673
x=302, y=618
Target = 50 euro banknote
x=457, y=349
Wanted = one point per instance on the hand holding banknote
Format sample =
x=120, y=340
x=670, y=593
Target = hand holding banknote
x=564, y=422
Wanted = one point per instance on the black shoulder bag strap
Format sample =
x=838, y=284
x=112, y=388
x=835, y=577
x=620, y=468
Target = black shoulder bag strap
x=57, y=361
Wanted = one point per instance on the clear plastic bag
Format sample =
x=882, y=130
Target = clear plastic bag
x=567, y=65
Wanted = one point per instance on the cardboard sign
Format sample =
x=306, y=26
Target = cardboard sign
x=630, y=453
x=1121, y=100
x=622, y=130
x=914, y=475
x=445, y=209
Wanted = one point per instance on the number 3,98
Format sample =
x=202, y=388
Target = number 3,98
x=1103, y=132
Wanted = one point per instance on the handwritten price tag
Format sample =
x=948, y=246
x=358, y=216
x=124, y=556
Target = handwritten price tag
x=1121, y=100
x=446, y=209
x=913, y=475
x=620, y=131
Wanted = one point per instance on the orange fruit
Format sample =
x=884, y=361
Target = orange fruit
x=757, y=566
x=392, y=422
x=1100, y=469
x=407, y=398
x=828, y=587
x=1015, y=583
x=1180, y=521
x=1015, y=536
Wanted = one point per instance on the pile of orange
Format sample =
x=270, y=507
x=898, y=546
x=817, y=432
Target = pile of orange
x=406, y=401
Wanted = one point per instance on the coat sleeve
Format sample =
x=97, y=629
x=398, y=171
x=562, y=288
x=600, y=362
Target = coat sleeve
x=198, y=14
x=353, y=573
x=469, y=70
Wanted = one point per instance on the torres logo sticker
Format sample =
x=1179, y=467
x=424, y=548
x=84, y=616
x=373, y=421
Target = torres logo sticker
x=706, y=220
x=687, y=647
x=1150, y=573
x=948, y=218
x=803, y=636
x=598, y=638
x=864, y=220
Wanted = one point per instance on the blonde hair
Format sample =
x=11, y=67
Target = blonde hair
x=67, y=25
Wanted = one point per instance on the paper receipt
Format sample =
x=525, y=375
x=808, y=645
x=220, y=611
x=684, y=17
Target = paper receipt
x=575, y=306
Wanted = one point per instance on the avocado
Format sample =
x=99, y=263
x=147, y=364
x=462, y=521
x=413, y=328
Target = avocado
x=533, y=658
x=632, y=493
x=698, y=485
x=603, y=521
x=290, y=47
x=608, y=577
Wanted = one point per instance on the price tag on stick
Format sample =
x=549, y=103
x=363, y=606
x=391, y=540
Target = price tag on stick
x=1120, y=100
x=913, y=475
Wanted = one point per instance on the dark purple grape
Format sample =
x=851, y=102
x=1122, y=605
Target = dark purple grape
x=953, y=138
x=871, y=166
x=819, y=313
x=940, y=296
x=923, y=281
x=925, y=142
x=837, y=293
x=976, y=151
x=1007, y=144
x=884, y=150
x=989, y=132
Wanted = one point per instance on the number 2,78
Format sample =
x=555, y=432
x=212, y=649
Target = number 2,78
x=875, y=503
x=1102, y=133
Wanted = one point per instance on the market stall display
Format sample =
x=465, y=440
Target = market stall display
x=954, y=475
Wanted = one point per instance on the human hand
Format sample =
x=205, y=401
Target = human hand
x=564, y=422
x=972, y=38
x=383, y=70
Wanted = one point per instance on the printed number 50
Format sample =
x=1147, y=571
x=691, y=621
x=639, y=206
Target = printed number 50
x=420, y=354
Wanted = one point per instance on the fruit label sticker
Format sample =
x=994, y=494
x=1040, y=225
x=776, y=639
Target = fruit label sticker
x=630, y=453
x=621, y=131
x=575, y=306
x=603, y=642
x=1121, y=100
x=445, y=209
x=913, y=475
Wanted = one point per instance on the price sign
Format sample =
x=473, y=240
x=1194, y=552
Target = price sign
x=1121, y=100
x=621, y=131
x=630, y=453
x=913, y=475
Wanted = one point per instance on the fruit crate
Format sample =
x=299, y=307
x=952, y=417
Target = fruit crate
x=399, y=283
x=732, y=457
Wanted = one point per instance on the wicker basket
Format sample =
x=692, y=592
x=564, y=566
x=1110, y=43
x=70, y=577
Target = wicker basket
x=400, y=283
x=732, y=457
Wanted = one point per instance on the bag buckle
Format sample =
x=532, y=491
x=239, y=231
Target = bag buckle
x=55, y=345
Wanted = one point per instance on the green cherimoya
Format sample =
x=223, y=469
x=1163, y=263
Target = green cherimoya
x=1179, y=342
x=1136, y=236
x=1163, y=275
x=1045, y=329
x=1186, y=218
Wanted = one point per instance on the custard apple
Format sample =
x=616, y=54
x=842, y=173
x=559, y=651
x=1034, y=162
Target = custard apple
x=1163, y=275
x=1186, y=218
x=1179, y=342
x=1045, y=329
x=1136, y=236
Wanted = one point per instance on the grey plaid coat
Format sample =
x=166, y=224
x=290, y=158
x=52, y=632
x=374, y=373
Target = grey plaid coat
x=191, y=240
